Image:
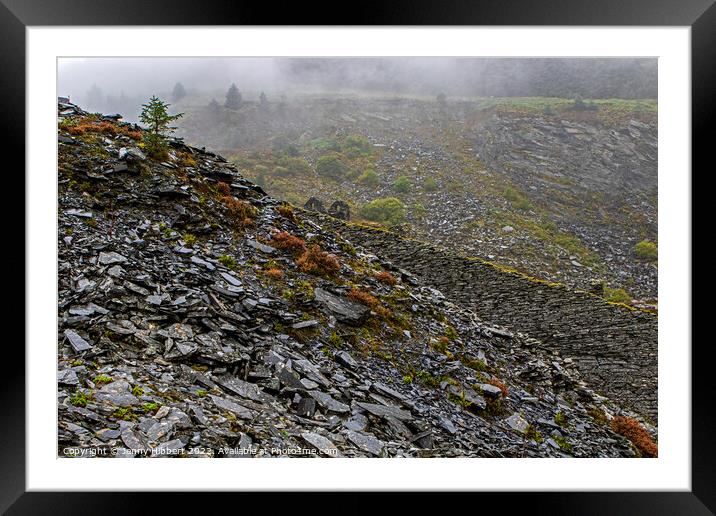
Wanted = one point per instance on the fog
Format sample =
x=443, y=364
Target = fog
x=109, y=84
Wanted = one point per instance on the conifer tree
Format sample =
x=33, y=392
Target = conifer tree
x=178, y=92
x=233, y=98
x=155, y=116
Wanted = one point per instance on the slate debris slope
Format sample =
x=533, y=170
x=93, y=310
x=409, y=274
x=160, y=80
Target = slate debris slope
x=176, y=340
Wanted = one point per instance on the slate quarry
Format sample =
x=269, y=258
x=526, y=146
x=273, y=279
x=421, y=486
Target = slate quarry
x=174, y=341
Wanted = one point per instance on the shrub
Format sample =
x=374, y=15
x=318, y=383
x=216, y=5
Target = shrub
x=369, y=300
x=617, y=295
x=294, y=166
x=386, y=277
x=104, y=127
x=189, y=239
x=388, y=210
x=325, y=144
x=185, y=159
x=356, y=145
x=288, y=242
x=369, y=178
x=273, y=273
x=500, y=385
x=402, y=185
x=316, y=261
x=330, y=166
x=241, y=212
x=430, y=185
x=223, y=188
x=639, y=437
x=517, y=198
x=286, y=212
x=647, y=250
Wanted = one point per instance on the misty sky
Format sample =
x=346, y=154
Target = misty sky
x=615, y=77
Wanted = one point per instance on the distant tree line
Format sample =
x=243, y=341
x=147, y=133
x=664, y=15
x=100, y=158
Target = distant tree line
x=592, y=78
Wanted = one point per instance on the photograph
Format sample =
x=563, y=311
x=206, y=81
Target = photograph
x=357, y=257
x=423, y=249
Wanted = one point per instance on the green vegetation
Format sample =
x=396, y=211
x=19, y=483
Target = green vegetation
x=331, y=166
x=402, y=185
x=369, y=178
x=647, y=250
x=155, y=116
x=518, y=199
x=137, y=391
x=227, y=261
x=388, y=210
x=325, y=145
x=79, y=399
x=102, y=379
x=560, y=419
x=150, y=407
x=430, y=185
x=189, y=239
x=356, y=145
x=617, y=295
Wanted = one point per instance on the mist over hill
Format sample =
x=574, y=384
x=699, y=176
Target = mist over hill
x=113, y=84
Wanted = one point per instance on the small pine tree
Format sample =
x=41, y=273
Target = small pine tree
x=214, y=107
x=262, y=99
x=441, y=99
x=178, y=92
x=233, y=97
x=154, y=115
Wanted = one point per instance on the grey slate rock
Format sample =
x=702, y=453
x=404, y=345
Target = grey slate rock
x=228, y=405
x=328, y=402
x=345, y=310
x=366, y=442
x=78, y=343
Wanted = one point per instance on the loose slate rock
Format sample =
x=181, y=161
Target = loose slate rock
x=386, y=411
x=110, y=258
x=345, y=310
x=78, y=343
x=321, y=444
x=365, y=442
x=327, y=402
x=230, y=406
x=517, y=422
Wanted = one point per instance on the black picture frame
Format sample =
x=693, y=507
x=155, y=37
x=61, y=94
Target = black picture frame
x=16, y=15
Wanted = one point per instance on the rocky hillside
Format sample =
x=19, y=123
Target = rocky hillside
x=199, y=316
x=560, y=192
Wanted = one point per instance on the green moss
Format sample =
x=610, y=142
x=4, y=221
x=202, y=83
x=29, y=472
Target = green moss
x=451, y=333
x=101, y=379
x=335, y=340
x=189, y=239
x=150, y=407
x=124, y=413
x=560, y=419
x=228, y=261
x=137, y=391
x=79, y=399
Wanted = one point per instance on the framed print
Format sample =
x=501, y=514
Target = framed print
x=418, y=250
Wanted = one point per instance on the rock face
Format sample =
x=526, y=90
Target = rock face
x=186, y=329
